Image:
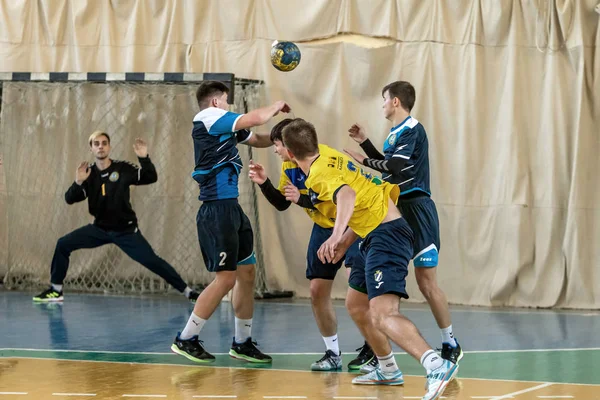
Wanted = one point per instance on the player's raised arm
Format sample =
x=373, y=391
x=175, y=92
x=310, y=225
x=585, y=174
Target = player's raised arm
x=261, y=116
x=146, y=174
x=77, y=191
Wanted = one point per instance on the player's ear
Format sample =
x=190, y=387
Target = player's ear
x=396, y=102
x=289, y=153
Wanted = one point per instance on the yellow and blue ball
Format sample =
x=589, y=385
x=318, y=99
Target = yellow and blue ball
x=285, y=56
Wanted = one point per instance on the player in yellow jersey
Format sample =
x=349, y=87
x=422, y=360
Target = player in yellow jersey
x=340, y=190
x=291, y=189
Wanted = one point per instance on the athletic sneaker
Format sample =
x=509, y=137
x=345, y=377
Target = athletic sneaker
x=365, y=355
x=193, y=296
x=370, y=366
x=49, y=295
x=192, y=349
x=329, y=362
x=452, y=354
x=378, y=377
x=248, y=351
x=438, y=379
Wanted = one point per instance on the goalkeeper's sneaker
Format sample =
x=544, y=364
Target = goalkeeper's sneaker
x=452, y=354
x=48, y=296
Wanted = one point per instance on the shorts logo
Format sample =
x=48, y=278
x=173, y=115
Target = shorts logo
x=114, y=177
x=378, y=278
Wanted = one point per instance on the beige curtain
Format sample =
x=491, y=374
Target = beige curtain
x=507, y=90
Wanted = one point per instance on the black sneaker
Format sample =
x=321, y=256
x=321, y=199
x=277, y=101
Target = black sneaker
x=452, y=354
x=192, y=349
x=49, y=295
x=249, y=352
x=365, y=355
x=193, y=296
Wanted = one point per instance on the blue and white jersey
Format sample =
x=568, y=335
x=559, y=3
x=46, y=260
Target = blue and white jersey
x=217, y=159
x=408, y=140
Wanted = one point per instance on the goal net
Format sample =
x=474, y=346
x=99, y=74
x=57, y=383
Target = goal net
x=44, y=128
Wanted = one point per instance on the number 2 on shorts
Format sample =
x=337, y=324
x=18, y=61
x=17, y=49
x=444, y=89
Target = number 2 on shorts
x=223, y=256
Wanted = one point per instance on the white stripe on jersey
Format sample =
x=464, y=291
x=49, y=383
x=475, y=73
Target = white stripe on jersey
x=209, y=116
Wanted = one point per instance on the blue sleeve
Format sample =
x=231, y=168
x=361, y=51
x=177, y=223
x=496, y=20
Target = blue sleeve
x=225, y=124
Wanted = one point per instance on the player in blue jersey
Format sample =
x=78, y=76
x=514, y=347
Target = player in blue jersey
x=405, y=162
x=224, y=231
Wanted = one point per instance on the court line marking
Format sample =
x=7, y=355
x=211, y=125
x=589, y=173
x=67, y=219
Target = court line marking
x=284, y=397
x=291, y=370
x=75, y=394
x=531, y=389
x=353, y=397
x=293, y=354
x=14, y=393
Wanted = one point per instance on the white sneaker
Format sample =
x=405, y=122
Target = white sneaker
x=329, y=362
x=370, y=366
x=438, y=379
x=378, y=377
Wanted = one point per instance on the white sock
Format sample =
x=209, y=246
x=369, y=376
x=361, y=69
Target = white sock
x=56, y=287
x=448, y=336
x=187, y=291
x=388, y=363
x=243, y=329
x=430, y=360
x=193, y=327
x=331, y=342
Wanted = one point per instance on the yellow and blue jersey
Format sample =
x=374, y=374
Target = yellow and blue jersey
x=291, y=173
x=330, y=172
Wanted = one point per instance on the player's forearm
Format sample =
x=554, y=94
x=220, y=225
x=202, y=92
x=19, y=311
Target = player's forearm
x=392, y=166
x=304, y=202
x=274, y=196
x=345, y=199
x=147, y=173
x=371, y=151
x=260, y=140
x=75, y=193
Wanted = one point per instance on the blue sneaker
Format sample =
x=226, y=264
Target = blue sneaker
x=378, y=377
x=438, y=379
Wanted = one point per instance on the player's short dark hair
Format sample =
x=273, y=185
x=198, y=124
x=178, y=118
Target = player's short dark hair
x=209, y=89
x=276, y=132
x=300, y=138
x=404, y=91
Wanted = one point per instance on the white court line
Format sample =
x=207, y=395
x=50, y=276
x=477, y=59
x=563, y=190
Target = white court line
x=14, y=393
x=75, y=394
x=531, y=389
x=353, y=397
x=284, y=397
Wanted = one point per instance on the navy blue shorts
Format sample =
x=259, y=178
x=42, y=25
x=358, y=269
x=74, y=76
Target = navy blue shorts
x=386, y=253
x=315, y=269
x=422, y=216
x=225, y=235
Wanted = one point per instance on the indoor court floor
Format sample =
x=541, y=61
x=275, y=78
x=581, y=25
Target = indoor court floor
x=116, y=347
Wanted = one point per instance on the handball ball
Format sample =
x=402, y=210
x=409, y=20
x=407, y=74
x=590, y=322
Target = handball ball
x=285, y=56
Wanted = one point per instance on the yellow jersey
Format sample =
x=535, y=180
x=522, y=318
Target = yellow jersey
x=331, y=171
x=291, y=173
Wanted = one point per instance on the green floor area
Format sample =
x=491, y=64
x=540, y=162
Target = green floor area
x=559, y=366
